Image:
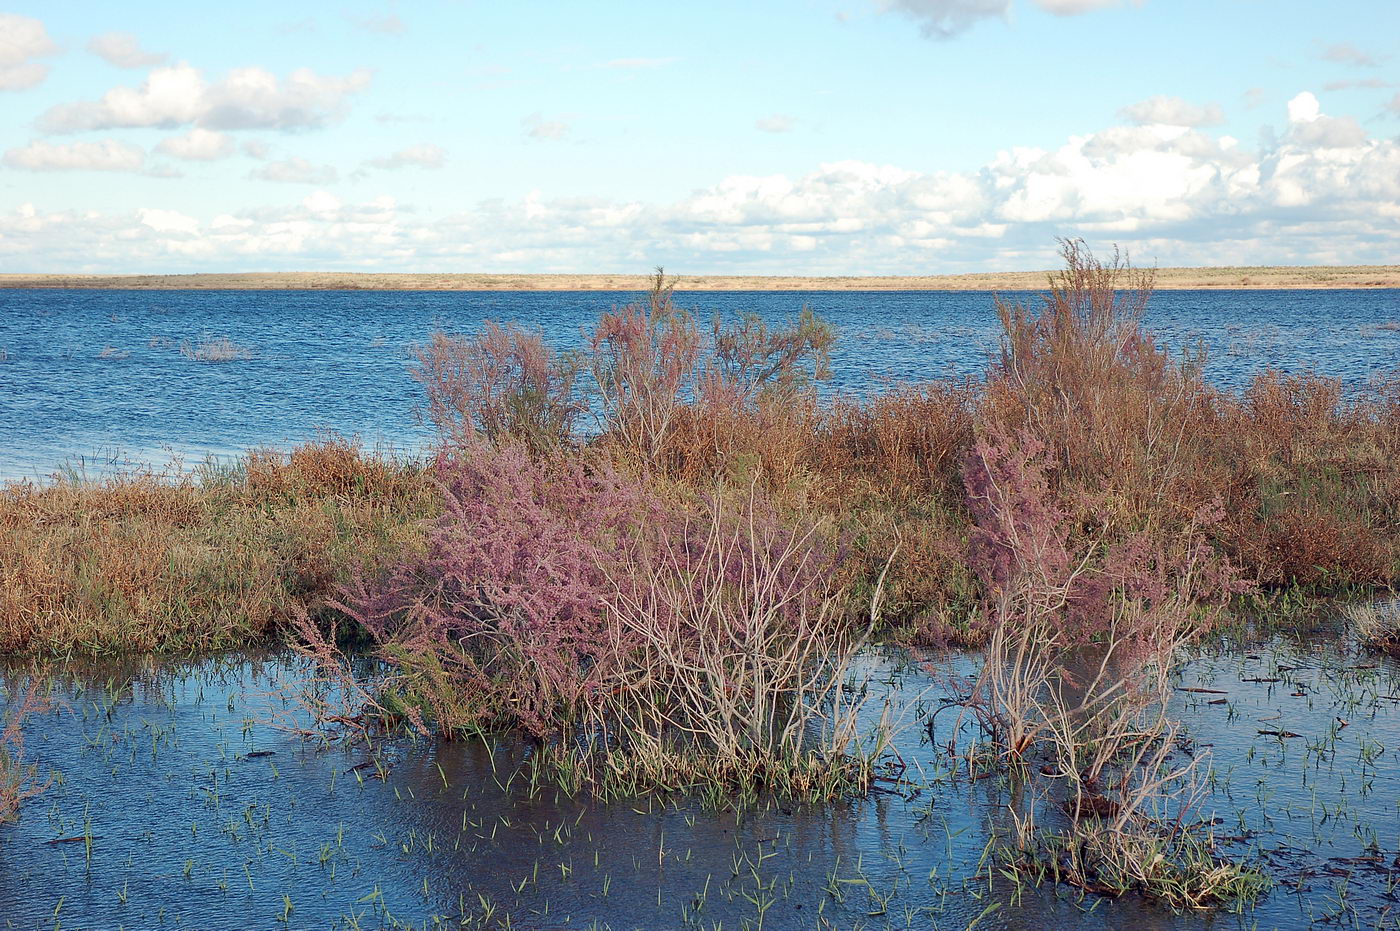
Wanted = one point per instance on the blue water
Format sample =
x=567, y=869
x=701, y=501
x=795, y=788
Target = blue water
x=202, y=814
x=339, y=359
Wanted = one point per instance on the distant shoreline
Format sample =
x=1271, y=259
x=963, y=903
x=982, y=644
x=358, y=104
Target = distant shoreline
x=1259, y=278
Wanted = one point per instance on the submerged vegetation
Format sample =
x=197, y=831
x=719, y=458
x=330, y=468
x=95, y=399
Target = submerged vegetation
x=677, y=596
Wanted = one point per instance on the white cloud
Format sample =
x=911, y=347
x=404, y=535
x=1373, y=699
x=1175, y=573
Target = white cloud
x=946, y=18
x=776, y=123
x=1304, y=108
x=198, y=145
x=1173, y=194
x=322, y=203
x=537, y=127
x=247, y=98
x=23, y=38
x=423, y=155
x=123, y=50
x=168, y=221
x=295, y=171
x=106, y=155
x=1173, y=111
x=1309, y=127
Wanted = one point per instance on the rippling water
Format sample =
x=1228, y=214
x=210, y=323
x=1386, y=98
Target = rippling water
x=179, y=806
x=99, y=374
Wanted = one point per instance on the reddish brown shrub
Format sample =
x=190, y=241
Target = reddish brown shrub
x=504, y=383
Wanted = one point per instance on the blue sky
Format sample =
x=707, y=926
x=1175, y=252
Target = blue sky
x=857, y=137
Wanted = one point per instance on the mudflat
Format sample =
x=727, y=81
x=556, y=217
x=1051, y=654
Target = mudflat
x=1262, y=277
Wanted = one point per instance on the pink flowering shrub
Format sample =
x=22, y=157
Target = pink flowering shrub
x=500, y=618
x=553, y=596
x=1093, y=579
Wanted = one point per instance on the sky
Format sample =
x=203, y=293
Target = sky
x=804, y=137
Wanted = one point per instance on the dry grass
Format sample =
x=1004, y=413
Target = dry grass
x=151, y=561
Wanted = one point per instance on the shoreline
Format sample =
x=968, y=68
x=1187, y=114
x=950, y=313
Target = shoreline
x=1168, y=279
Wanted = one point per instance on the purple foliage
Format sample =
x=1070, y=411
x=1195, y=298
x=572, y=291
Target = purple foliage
x=508, y=596
x=1027, y=550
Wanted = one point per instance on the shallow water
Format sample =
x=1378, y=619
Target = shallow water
x=339, y=360
x=180, y=806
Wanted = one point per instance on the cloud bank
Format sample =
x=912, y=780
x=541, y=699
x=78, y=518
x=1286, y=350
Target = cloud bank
x=1318, y=190
x=246, y=98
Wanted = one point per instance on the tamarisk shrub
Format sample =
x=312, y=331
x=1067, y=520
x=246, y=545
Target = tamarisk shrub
x=499, y=620
x=504, y=383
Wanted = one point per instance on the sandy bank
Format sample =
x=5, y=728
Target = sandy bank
x=1352, y=276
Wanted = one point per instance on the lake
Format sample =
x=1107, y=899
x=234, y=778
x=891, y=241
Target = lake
x=96, y=378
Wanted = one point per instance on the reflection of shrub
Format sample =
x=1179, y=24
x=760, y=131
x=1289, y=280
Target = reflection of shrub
x=18, y=781
x=222, y=349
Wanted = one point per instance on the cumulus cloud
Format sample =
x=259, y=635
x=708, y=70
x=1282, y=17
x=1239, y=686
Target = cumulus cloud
x=1347, y=54
x=537, y=127
x=776, y=123
x=123, y=50
x=1176, y=194
x=23, y=39
x=106, y=155
x=247, y=98
x=423, y=155
x=295, y=171
x=198, y=145
x=1173, y=111
x=944, y=19
x=1308, y=126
